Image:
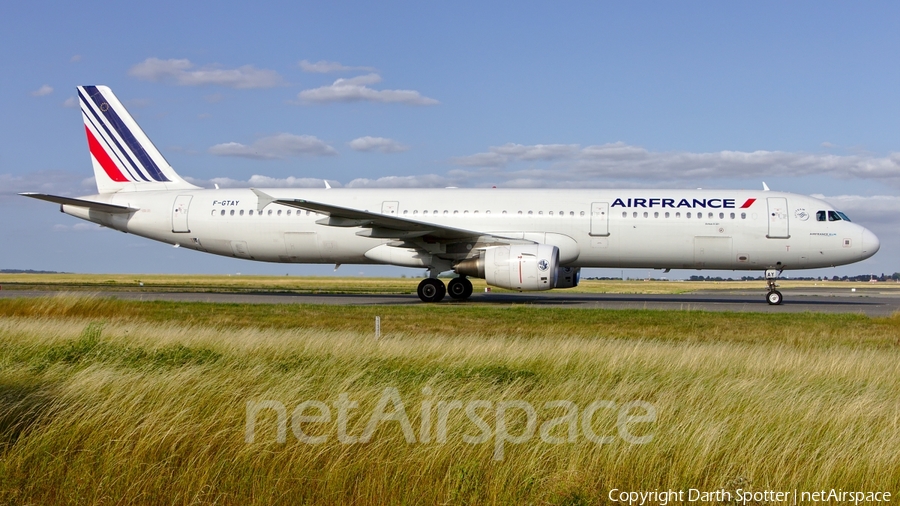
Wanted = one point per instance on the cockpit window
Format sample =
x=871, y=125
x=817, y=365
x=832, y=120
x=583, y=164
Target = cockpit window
x=820, y=215
x=837, y=216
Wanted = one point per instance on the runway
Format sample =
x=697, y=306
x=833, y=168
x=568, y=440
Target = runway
x=872, y=302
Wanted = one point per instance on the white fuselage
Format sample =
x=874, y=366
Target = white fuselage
x=666, y=229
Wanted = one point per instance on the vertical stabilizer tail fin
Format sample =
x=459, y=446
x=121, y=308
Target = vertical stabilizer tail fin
x=123, y=156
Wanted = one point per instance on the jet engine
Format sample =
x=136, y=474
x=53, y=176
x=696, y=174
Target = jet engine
x=526, y=267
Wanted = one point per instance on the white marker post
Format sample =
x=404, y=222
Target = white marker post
x=377, y=327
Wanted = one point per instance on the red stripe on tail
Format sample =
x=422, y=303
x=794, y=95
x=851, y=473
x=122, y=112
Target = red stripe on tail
x=105, y=161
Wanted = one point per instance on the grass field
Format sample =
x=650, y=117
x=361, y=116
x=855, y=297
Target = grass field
x=326, y=284
x=117, y=402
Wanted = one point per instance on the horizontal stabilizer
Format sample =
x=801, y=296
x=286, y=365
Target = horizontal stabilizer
x=96, y=206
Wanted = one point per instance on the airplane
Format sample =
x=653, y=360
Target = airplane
x=519, y=239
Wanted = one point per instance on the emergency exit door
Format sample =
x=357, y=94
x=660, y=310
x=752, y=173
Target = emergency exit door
x=600, y=218
x=778, y=218
x=180, y=214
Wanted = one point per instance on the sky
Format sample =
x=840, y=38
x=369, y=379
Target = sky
x=800, y=95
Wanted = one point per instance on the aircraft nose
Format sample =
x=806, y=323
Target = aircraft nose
x=870, y=243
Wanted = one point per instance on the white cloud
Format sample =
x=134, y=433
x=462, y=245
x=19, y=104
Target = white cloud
x=325, y=67
x=43, y=91
x=415, y=181
x=380, y=144
x=884, y=209
x=71, y=103
x=277, y=146
x=75, y=58
x=77, y=227
x=260, y=181
x=183, y=73
x=356, y=89
x=55, y=182
x=571, y=163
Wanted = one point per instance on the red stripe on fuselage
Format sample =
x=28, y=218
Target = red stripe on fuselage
x=748, y=203
x=103, y=158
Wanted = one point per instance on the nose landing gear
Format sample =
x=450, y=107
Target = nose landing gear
x=774, y=297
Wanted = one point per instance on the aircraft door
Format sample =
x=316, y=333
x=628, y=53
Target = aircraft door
x=390, y=207
x=778, y=218
x=180, y=214
x=600, y=218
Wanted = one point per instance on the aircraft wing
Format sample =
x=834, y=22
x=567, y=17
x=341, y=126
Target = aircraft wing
x=68, y=201
x=383, y=226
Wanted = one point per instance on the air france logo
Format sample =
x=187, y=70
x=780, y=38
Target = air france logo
x=688, y=203
x=543, y=264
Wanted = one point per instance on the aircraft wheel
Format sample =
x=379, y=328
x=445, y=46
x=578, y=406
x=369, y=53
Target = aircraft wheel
x=431, y=290
x=460, y=288
x=774, y=298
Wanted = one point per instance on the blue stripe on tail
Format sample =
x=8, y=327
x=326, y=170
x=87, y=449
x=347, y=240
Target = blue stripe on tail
x=126, y=135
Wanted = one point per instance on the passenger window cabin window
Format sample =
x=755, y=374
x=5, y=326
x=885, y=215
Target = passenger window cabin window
x=270, y=212
x=288, y=212
x=213, y=212
x=678, y=215
x=645, y=214
x=732, y=216
x=279, y=212
x=222, y=213
x=582, y=213
x=667, y=214
x=250, y=212
x=656, y=215
x=743, y=216
x=530, y=212
x=721, y=215
x=242, y=212
x=688, y=214
x=634, y=214
x=232, y=212
x=624, y=214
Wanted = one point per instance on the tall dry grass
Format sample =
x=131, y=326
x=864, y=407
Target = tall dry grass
x=136, y=409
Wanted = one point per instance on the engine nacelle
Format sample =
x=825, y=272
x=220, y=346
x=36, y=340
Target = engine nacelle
x=568, y=277
x=526, y=267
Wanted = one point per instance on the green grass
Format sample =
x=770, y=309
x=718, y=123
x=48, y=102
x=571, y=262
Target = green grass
x=359, y=285
x=108, y=401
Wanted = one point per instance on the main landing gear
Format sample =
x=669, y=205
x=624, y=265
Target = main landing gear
x=774, y=297
x=460, y=288
x=433, y=290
